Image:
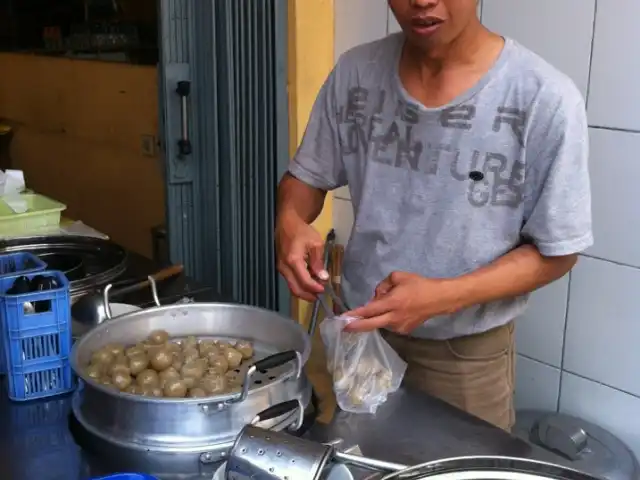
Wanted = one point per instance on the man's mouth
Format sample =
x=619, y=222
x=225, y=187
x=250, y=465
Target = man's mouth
x=425, y=25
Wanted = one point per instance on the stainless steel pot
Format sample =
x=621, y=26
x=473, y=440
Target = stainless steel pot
x=487, y=468
x=208, y=425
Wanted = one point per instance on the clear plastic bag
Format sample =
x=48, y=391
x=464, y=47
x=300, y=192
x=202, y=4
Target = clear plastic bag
x=364, y=367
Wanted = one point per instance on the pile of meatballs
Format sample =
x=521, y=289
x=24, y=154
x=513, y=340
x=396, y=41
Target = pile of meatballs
x=158, y=367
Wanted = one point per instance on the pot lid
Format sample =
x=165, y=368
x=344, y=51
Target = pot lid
x=87, y=262
x=581, y=444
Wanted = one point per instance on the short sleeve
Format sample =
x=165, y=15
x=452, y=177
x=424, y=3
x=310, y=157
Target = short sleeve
x=318, y=160
x=558, y=203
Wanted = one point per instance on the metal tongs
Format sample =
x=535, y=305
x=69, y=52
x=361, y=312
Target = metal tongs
x=328, y=288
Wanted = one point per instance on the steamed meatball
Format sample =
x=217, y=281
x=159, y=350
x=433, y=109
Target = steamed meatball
x=175, y=388
x=219, y=363
x=178, y=360
x=158, y=337
x=189, y=382
x=245, y=349
x=95, y=370
x=115, y=348
x=190, y=354
x=135, y=350
x=102, y=356
x=138, y=363
x=207, y=348
x=119, y=363
x=195, y=369
x=121, y=380
x=233, y=356
x=161, y=359
x=148, y=378
x=168, y=374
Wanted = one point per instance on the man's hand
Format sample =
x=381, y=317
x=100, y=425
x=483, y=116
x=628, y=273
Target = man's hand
x=403, y=301
x=300, y=250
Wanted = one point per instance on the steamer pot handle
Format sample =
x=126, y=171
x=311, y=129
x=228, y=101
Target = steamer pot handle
x=105, y=301
x=265, y=364
x=132, y=288
x=280, y=409
x=275, y=360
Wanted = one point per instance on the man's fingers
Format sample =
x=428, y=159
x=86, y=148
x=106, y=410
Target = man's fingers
x=369, y=324
x=303, y=276
x=372, y=309
x=316, y=262
x=294, y=285
x=383, y=288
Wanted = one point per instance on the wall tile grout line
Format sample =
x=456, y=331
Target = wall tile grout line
x=602, y=384
x=615, y=262
x=583, y=377
x=528, y=357
x=614, y=129
x=593, y=38
x=564, y=340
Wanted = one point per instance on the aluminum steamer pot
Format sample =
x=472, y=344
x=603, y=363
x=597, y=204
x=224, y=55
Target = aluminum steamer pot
x=206, y=426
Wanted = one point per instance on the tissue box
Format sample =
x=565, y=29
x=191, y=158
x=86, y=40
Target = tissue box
x=41, y=212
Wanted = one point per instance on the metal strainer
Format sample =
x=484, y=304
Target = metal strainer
x=260, y=454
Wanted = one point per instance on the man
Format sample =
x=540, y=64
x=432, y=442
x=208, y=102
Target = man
x=466, y=158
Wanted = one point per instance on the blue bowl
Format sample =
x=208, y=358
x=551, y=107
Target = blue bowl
x=127, y=476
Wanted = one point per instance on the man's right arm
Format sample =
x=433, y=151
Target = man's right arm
x=298, y=201
x=315, y=169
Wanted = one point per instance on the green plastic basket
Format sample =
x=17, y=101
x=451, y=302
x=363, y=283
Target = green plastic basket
x=42, y=212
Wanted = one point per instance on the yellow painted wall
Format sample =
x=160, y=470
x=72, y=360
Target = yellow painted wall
x=310, y=61
x=311, y=39
x=77, y=135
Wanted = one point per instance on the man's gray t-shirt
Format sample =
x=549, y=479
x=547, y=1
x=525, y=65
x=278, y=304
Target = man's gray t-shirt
x=444, y=191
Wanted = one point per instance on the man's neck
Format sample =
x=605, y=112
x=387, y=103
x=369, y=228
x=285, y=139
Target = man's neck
x=474, y=46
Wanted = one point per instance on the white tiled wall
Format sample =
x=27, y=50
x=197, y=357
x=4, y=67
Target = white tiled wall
x=576, y=343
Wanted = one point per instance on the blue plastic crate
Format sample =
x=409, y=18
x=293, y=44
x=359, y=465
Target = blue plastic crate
x=36, y=345
x=20, y=263
x=126, y=476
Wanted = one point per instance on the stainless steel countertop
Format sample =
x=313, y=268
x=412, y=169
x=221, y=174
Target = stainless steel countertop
x=414, y=428
x=411, y=427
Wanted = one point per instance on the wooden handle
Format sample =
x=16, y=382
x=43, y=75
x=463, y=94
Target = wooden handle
x=159, y=276
x=168, y=272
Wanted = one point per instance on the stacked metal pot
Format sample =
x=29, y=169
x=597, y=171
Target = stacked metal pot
x=199, y=428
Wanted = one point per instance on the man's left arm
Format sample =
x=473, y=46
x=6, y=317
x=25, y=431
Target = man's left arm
x=557, y=211
x=520, y=271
